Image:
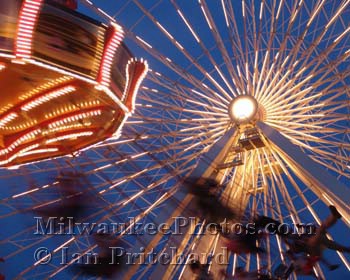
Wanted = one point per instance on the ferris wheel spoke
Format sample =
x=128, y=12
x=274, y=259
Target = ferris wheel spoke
x=340, y=170
x=220, y=43
x=236, y=45
x=277, y=61
x=320, y=70
x=166, y=106
x=273, y=178
x=183, y=51
x=156, y=166
x=181, y=72
x=264, y=73
x=186, y=92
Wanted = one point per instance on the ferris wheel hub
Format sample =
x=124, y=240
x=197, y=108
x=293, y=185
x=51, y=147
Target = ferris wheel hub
x=243, y=109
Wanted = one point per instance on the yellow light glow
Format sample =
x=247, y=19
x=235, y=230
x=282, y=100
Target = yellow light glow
x=243, y=109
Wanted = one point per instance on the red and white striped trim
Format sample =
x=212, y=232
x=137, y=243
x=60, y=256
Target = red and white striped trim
x=104, y=77
x=139, y=70
x=27, y=20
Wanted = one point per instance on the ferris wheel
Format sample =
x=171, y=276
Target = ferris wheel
x=254, y=94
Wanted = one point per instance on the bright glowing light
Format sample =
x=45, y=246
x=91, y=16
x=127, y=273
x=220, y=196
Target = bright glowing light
x=47, y=97
x=26, y=26
x=71, y=136
x=242, y=109
x=6, y=119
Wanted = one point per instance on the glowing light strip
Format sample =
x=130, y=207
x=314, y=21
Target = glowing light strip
x=261, y=10
x=9, y=117
x=27, y=21
x=38, y=151
x=7, y=55
x=69, y=136
x=206, y=17
x=69, y=108
x=8, y=160
x=340, y=10
x=5, y=108
x=188, y=26
x=137, y=84
x=66, y=127
x=64, y=244
x=21, y=126
x=24, y=138
x=107, y=60
x=52, y=83
x=207, y=97
x=20, y=140
x=315, y=13
x=342, y=35
x=243, y=9
x=75, y=118
x=25, y=150
x=25, y=193
x=144, y=42
x=313, y=214
x=46, y=159
x=341, y=256
x=17, y=154
x=225, y=13
x=47, y=97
